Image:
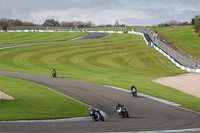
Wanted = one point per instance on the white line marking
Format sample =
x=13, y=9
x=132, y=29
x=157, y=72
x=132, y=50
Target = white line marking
x=165, y=131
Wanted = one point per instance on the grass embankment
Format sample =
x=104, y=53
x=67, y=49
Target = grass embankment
x=158, y=29
x=119, y=60
x=186, y=39
x=33, y=101
x=28, y=37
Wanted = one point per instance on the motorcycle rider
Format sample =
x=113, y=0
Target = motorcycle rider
x=134, y=90
x=91, y=111
x=118, y=108
x=122, y=111
x=94, y=112
x=53, y=71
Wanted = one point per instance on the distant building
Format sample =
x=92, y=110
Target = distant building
x=165, y=24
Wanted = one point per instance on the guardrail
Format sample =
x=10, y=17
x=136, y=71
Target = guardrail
x=166, y=54
x=190, y=62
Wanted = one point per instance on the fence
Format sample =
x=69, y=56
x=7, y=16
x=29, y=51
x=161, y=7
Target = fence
x=66, y=28
x=179, y=57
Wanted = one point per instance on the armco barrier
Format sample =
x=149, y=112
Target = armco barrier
x=178, y=56
x=130, y=32
x=166, y=55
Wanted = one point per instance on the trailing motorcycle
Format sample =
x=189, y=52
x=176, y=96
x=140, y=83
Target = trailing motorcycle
x=96, y=115
x=121, y=110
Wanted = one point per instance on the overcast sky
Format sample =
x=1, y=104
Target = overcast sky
x=129, y=12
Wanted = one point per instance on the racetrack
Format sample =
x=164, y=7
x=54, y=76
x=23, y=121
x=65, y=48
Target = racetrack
x=145, y=114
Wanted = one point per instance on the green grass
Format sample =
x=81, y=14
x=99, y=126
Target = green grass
x=119, y=60
x=33, y=101
x=27, y=37
x=102, y=29
x=186, y=39
x=158, y=29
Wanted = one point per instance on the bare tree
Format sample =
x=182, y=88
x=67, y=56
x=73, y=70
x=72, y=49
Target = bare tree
x=173, y=23
x=116, y=23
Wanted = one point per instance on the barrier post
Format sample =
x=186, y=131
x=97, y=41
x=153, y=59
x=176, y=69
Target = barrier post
x=195, y=63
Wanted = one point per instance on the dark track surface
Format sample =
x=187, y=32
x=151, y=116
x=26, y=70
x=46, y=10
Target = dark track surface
x=90, y=36
x=145, y=114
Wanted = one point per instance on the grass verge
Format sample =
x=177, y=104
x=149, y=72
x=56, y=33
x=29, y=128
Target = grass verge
x=28, y=37
x=186, y=39
x=158, y=29
x=33, y=101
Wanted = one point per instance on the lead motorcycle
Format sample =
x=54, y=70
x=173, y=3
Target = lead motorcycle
x=96, y=115
x=121, y=110
x=54, y=74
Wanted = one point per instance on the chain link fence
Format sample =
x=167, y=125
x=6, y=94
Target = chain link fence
x=190, y=62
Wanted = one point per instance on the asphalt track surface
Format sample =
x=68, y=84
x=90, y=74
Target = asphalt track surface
x=145, y=114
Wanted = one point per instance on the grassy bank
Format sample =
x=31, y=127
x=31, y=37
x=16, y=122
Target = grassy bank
x=27, y=37
x=119, y=60
x=186, y=39
x=158, y=29
x=33, y=101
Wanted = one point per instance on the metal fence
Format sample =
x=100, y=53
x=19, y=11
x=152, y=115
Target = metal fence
x=192, y=62
x=66, y=28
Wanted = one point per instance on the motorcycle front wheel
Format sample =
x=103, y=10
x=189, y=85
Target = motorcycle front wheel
x=95, y=117
x=102, y=118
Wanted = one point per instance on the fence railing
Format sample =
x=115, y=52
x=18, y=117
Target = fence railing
x=66, y=28
x=190, y=62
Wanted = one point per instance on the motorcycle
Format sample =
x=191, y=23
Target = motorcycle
x=96, y=115
x=54, y=74
x=134, y=91
x=121, y=110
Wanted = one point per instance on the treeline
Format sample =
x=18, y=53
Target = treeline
x=195, y=23
x=52, y=22
x=4, y=23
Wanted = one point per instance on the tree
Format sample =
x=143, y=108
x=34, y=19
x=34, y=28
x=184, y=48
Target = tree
x=50, y=22
x=173, y=23
x=116, y=23
x=197, y=24
x=27, y=24
x=18, y=22
x=183, y=23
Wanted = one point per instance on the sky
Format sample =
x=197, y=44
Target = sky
x=128, y=12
